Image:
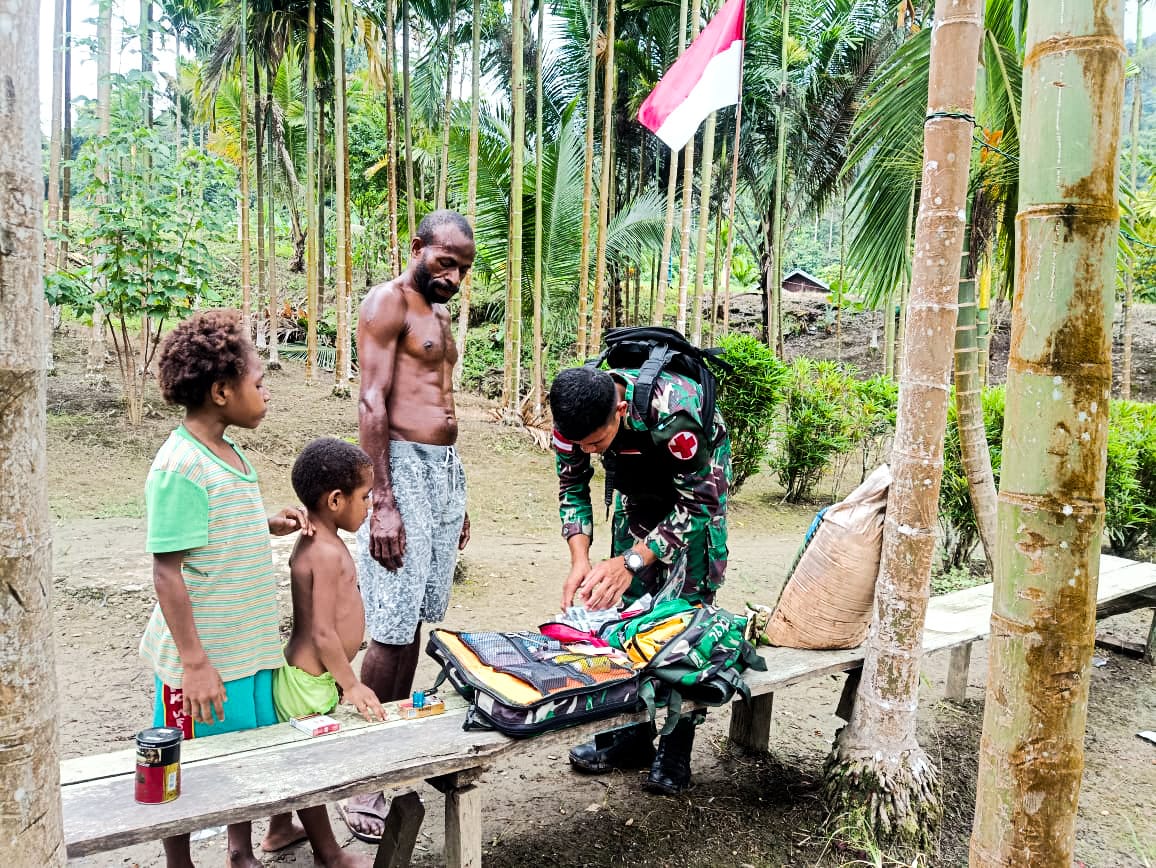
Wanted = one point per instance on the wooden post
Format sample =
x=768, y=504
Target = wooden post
x=464, y=827
x=751, y=723
x=847, y=697
x=957, y=672
x=1150, y=647
x=402, y=824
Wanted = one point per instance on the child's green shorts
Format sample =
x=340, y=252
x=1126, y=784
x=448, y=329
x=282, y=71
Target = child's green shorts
x=248, y=705
x=296, y=693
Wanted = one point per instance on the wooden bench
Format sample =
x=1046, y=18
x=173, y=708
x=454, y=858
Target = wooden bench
x=251, y=775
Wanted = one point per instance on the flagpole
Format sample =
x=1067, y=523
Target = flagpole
x=726, y=324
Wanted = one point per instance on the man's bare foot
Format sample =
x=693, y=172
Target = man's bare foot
x=283, y=832
x=365, y=816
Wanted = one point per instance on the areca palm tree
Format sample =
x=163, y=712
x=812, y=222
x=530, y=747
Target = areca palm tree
x=877, y=765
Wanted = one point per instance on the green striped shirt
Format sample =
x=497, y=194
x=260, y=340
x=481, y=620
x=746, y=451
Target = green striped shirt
x=199, y=505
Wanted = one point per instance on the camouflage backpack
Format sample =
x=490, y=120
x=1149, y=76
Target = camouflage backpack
x=688, y=653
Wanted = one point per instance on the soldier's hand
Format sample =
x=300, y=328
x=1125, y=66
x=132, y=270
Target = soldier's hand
x=604, y=585
x=578, y=572
x=387, y=536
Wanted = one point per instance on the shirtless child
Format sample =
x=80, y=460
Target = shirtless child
x=332, y=478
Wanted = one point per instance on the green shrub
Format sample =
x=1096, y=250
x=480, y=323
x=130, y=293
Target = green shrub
x=956, y=517
x=484, y=360
x=748, y=398
x=1130, y=484
x=871, y=425
x=816, y=425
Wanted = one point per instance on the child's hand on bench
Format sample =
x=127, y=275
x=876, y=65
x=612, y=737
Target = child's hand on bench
x=365, y=700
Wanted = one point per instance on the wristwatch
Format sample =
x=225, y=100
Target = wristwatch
x=634, y=561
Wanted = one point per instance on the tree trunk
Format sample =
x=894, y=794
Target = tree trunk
x=705, y=184
x=973, y=449
x=246, y=255
x=1134, y=168
x=889, y=333
x=536, y=381
x=410, y=190
x=259, y=162
x=472, y=182
x=731, y=229
x=659, y=310
x=292, y=184
x=877, y=766
x=447, y=116
x=511, y=387
x=96, y=346
x=30, y=822
x=716, y=266
x=587, y=189
x=146, y=59
x=341, y=200
x=1051, y=501
x=55, y=145
x=775, y=340
x=687, y=198
x=312, y=242
x=842, y=278
x=321, y=175
x=983, y=313
x=391, y=133
x=606, y=180
x=271, y=225
x=66, y=153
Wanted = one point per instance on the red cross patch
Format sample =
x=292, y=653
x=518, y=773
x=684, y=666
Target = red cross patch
x=683, y=445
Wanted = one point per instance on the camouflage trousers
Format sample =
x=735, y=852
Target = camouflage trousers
x=703, y=564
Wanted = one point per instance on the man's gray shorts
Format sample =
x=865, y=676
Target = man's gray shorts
x=429, y=485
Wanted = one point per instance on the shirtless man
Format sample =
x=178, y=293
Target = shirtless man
x=407, y=549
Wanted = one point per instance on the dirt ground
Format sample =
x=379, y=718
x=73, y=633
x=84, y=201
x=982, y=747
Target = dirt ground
x=743, y=811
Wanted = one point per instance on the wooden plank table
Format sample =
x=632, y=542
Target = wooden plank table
x=254, y=774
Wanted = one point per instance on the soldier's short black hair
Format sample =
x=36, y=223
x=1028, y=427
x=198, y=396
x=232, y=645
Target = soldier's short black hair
x=434, y=220
x=328, y=464
x=581, y=400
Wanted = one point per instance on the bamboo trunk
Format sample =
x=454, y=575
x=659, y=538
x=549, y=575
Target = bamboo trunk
x=30, y=819
x=97, y=349
x=341, y=196
x=973, y=449
x=705, y=184
x=312, y=242
x=775, y=337
x=246, y=277
x=604, y=198
x=395, y=264
x=259, y=164
x=658, y=311
x=511, y=386
x=1051, y=500
x=536, y=376
x=687, y=199
x=587, y=189
x=444, y=162
x=54, y=142
x=1134, y=169
x=877, y=765
x=471, y=183
x=410, y=190
x=271, y=226
x=66, y=170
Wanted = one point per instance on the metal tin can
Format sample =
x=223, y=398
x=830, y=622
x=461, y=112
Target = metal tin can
x=158, y=765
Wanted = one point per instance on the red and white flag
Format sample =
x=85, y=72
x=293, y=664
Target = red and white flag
x=707, y=77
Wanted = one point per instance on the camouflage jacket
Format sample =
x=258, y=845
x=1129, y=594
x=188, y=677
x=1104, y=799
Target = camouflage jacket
x=689, y=472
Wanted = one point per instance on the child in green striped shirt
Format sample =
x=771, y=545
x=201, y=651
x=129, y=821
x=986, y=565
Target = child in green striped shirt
x=213, y=638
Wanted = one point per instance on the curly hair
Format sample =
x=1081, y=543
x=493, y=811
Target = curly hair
x=328, y=464
x=207, y=348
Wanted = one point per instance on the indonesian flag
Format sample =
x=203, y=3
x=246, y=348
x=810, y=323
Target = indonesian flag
x=707, y=77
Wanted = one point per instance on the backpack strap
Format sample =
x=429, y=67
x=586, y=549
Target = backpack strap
x=660, y=355
x=673, y=711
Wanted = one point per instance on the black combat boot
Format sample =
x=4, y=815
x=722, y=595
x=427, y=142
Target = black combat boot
x=670, y=772
x=631, y=747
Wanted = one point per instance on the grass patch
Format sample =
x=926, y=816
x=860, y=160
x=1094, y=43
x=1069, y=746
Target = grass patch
x=958, y=579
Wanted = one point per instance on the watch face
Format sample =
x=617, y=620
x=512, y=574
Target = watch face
x=634, y=562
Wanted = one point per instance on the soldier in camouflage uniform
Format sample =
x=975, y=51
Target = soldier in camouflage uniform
x=669, y=474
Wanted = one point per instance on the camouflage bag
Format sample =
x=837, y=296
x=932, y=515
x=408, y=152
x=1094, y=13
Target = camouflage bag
x=523, y=684
x=693, y=653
